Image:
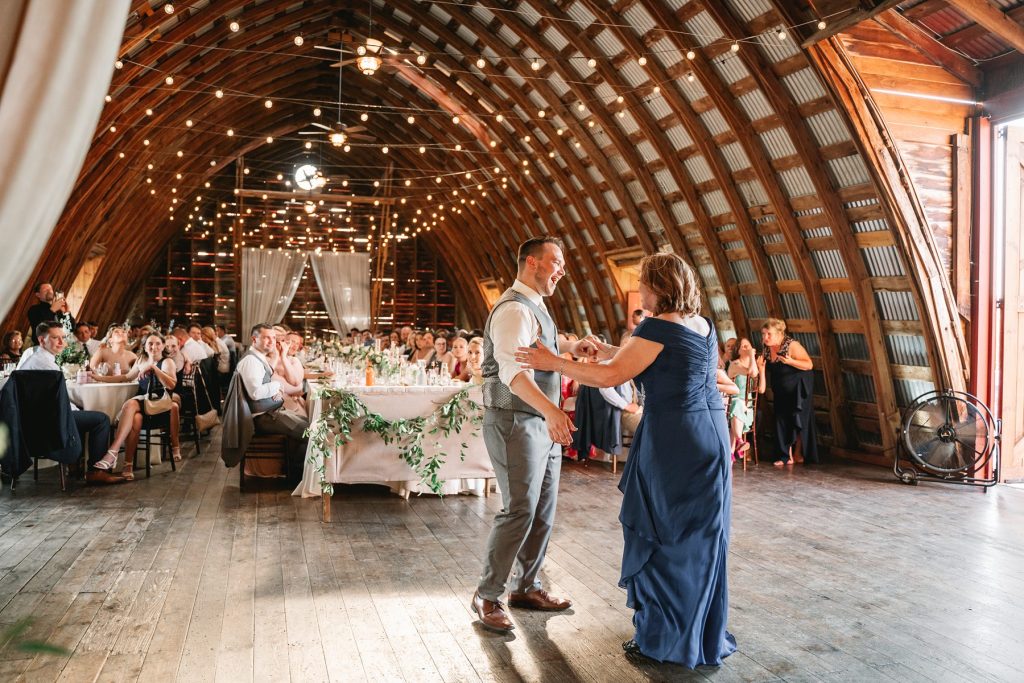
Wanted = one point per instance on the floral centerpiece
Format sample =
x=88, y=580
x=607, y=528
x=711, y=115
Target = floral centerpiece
x=74, y=356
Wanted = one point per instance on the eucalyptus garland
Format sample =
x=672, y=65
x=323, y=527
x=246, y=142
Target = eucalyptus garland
x=357, y=355
x=341, y=409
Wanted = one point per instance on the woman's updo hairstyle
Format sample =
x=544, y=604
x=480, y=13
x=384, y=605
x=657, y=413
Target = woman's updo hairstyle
x=774, y=324
x=673, y=283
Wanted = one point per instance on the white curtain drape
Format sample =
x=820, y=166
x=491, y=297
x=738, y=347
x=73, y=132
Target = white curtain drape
x=344, y=282
x=269, y=280
x=56, y=60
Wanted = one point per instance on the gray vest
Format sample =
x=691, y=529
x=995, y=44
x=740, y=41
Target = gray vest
x=496, y=394
x=264, y=405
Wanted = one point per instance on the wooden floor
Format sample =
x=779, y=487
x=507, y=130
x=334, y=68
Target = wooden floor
x=835, y=574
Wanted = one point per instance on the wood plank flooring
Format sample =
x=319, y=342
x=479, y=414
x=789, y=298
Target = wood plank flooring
x=836, y=574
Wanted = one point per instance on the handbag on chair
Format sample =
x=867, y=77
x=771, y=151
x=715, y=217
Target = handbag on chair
x=157, y=400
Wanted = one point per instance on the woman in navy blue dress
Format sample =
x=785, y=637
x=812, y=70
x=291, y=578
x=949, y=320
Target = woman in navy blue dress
x=677, y=483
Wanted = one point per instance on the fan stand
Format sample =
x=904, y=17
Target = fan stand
x=919, y=469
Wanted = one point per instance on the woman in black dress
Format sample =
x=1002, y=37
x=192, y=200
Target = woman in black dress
x=786, y=367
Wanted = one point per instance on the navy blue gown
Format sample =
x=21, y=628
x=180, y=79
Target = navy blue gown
x=677, y=495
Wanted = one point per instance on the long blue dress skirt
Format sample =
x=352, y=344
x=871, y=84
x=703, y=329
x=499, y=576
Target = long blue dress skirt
x=677, y=496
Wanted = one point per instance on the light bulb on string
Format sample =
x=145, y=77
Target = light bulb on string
x=421, y=59
x=592, y=62
x=169, y=80
x=535, y=65
x=218, y=94
x=298, y=40
x=316, y=111
x=690, y=54
x=268, y=103
x=822, y=25
x=735, y=47
x=364, y=117
x=234, y=26
x=481, y=63
x=411, y=119
x=642, y=61
x=781, y=35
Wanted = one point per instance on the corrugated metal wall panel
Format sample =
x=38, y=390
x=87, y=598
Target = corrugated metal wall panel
x=774, y=49
x=679, y=138
x=714, y=122
x=708, y=274
x=852, y=346
x=755, y=105
x=815, y=233
x=860, y=388
x=907, y=349
x=772, y=238
x=606, y=41
x=627, y=123
x=682, y=213
x=626, y=226
x=552, y=35
x=719, y=307
x=753, y=306
x=907, y=390
x=482, y=13
x=693, y=90
x=735, y=157
x=730, y=68
x=725, y=226
x=666, y=181
x=698, y=169
x=848, y=171
x=753, y=193
x=619, y=164
x=867, y=437
x=658, y=107
x=778, y=143
x=666, y=53
x=828, y=128
x=647, y=151
x=705, y=28
x=883, y=262
x=795, y=306
x=896, y=305
x=636, y=191
x=637, y=17
x=580, y=14
x=735, y=244
x=782, y=266
x=796, y=182
x=841, y=305
x=742, y=271
x=874, y=225
x=828, y=263
x=714, y=203
x=750, y=9
x=804, y=85
x=606, y=234
x=810, y=341
x=633, y=73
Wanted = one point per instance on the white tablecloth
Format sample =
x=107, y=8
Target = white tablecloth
x=106, y=397
x=366, y=459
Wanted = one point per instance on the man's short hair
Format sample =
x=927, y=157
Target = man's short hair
x=39, y=285
x=535, y=246
x=220, y=328
x=82, y=324
x=638, y=311
x=43, y=328
x=260, y=326
x=195, y=325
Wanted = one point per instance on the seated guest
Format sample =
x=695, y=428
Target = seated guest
x=728, y=351
x=289, y=373
x=742, y=371
x=424, y=347
x=475, y=356
x=195, y=333
x=394, y=341
x=50, y=306
x=405, y=338
x=10, y=348
x=214, y=342
x=193, y=350
x=459, y=368
x=172, y=350
x=113, y=356
x=83, y=333
x=265, y=399
x=156, y=376
x=440, y=360
x=50, y=336
x=228, y=340
x=599, y=420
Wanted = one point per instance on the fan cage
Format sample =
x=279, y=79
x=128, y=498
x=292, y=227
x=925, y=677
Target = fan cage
x=932, y=398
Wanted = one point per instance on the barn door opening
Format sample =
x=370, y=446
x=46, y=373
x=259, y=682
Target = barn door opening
x=1009, y=277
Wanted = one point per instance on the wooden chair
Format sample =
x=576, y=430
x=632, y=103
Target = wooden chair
x=156, y=429
x=751, y=400
x=264, y=447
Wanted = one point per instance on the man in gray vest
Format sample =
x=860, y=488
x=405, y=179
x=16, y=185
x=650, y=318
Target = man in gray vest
x=524, y=429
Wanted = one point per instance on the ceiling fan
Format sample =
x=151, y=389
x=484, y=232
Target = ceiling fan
x=340, y=133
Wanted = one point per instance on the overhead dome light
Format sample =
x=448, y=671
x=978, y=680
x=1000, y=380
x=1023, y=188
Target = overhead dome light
x=338, y=139
x=369, y=63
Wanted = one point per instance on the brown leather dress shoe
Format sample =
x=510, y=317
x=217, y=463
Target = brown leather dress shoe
x=95, y=476
x=491, y=614
x=538, y=599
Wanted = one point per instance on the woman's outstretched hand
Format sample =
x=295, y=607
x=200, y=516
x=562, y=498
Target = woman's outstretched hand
x=539, y=358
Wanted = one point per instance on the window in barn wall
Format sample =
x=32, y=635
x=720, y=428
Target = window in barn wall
x=83, y=281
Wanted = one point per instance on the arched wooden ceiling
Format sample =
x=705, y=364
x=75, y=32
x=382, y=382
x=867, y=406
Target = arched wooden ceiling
x=741, y=160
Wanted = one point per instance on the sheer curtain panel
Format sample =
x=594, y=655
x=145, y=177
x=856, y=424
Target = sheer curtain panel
x=269, y=280
x=56, y=60
x=344, y=282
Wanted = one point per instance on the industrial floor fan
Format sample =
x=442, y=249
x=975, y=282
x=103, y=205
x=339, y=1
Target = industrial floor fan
x=950, y=436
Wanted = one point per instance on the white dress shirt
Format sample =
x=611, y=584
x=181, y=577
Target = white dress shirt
x=92, y=346
x=514, y=325
x=228, y=342
x=614, y=395
x=252, y=368
x=195, y=351
x=223, y=357
x=25, y=355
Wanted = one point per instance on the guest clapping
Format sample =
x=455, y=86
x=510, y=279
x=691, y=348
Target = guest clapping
x=786, y=367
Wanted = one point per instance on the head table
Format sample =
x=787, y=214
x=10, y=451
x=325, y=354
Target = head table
x=367, y=459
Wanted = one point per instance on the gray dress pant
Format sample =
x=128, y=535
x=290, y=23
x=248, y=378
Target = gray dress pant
x=527, y=464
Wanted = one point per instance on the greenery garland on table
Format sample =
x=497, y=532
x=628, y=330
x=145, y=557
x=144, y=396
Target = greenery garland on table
x=358, y=355
x=341, y=408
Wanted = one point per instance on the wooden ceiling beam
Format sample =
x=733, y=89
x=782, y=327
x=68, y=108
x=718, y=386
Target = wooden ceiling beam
x=992, y=18
x=937, y=53
x=835, y=25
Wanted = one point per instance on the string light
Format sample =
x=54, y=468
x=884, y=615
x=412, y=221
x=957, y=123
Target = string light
x=781, y=34
x=642, y=61
x=268, y=104
x=592, y=62
x=411, y=119
x=735, y=47
x=219, y=94
x=298, y=40
x=169, y=80
x=535, y=65
x=481, y=63
x=364, y=117
x=690, y=54
x=234, y=26
x=169, y=8
x=188, y=123
x=119, y=64
x=822, y=25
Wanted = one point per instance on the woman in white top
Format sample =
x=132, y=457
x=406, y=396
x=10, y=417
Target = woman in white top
x=150, y=368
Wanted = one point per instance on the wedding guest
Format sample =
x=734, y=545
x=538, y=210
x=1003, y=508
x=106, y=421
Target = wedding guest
x=50, y=306
x=10, y=348
x=786, y=366
x=424, y=347
x=677, y=482
x=404, y=337
x=193, y=350
x=289, y=373
x=475, y=357
x=83, y=333
x=113, y=353
x=728, y=351
x=211, y=340
x=172, y=350
x=195, y=333
x=394, y=340
x=157, y=376
x=50, y=336
x=440, y=359
x=228, y=340
x=742, y=370
x=598, y=420
x=460, y=360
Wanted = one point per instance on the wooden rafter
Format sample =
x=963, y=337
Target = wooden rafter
x=936, y=52
x=863, y=11
x=993, y=19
